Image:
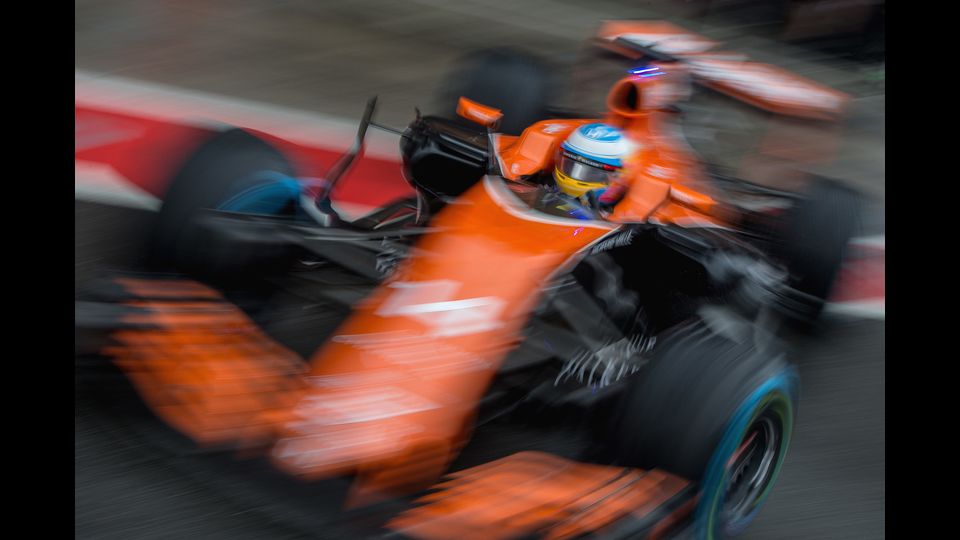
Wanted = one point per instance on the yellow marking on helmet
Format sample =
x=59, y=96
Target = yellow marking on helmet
x=574, y=187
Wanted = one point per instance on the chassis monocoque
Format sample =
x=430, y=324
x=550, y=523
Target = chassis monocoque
x=656, y=340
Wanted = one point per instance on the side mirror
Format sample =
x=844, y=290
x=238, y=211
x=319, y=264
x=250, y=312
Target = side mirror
x=481, y=114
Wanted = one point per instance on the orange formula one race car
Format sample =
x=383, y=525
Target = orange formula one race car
x=575, y=323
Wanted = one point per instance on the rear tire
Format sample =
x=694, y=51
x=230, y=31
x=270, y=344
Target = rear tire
x=519, y=84
x=701, y=397
x=231, y=164
x=818, y=229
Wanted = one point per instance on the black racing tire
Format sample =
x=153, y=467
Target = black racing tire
x=521, y=85
x=227, y=163
x=694, y=404
x=817, y=231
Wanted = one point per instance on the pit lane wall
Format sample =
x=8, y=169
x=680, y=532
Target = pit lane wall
x=132, y=136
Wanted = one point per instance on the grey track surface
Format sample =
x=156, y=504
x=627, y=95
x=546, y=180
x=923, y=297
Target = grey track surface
x=122, y=493
x=328, y=57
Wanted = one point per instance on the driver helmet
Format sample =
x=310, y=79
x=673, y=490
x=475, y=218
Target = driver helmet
x=591, y=158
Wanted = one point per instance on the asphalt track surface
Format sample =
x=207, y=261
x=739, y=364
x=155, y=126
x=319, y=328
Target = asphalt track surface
x=832, y=484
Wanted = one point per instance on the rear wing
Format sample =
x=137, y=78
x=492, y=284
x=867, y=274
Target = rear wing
x=761, y=85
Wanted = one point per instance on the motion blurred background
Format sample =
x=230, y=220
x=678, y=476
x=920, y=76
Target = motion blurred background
x=328, y=57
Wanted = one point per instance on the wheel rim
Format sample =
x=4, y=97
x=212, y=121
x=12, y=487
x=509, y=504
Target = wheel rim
x=751, y=470
x=763, y=425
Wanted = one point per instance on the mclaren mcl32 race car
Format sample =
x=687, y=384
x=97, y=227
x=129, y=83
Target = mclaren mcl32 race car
x=379, y=352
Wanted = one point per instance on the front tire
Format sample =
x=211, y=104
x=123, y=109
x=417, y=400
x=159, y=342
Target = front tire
x=717, y=411
x=235, y=171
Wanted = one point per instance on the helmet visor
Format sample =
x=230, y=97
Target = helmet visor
x=585, y=170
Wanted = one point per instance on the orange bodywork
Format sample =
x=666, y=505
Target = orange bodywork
x=535, y=150
x=670, y=38
x=425, y=346
x=660, y=177
x=661, y=180
x=201, y=364
x=770, y=88
x=762, y=85
x=391, y=397
x=532, y=493
x=475, y=112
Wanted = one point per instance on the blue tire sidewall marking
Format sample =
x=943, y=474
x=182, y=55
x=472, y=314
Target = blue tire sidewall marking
x=276, y=186
x=712, y=491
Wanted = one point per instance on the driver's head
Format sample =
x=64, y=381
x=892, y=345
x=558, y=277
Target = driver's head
x=590, y=158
